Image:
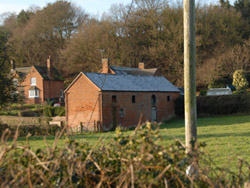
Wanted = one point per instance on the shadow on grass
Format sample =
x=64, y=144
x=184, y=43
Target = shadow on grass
x=220, y=135
x=208, y=121
x=86, y=136
x=37, y=138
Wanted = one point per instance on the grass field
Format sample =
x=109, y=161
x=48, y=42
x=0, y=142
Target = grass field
x=227, y=138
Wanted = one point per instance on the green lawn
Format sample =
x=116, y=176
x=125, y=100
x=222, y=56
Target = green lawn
x=226, y=137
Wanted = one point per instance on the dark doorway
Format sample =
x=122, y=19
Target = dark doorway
x=114, y=117
x=153, y=114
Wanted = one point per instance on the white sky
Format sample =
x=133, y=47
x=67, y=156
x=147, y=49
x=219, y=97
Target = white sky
x=93, y=7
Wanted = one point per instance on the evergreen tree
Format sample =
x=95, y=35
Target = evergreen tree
x=6, y=89
x=240, y=81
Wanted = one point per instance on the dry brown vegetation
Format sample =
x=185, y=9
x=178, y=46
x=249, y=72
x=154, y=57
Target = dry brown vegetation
x=136, y=160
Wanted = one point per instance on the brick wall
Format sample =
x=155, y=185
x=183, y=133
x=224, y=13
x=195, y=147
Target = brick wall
x=52, y=88
x=27, y=84
x=132, y=111
x=82, y=104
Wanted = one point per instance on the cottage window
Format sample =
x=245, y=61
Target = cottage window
x=121, y=112
x=133, y=99
x=153, y=100
x=169, y=98
x=62, y=93
x=113, y=98
x=33, y=93
x=33, y=81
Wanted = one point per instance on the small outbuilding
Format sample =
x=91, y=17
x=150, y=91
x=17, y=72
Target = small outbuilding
x=104, y=101
x=219, y=91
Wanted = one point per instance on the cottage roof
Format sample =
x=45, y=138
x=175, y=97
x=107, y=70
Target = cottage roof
x=22, y=71
x=134, y=71
x=43, y=71
x=116, y=82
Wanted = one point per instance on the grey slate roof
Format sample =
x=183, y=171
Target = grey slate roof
x=133, y=71
x=116, y=82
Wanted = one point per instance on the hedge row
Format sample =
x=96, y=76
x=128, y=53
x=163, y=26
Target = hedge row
x=48, y=111
x=217, y=105
x=24, y=130
x=31, y=113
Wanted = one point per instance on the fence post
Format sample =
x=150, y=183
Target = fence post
x=81, y=126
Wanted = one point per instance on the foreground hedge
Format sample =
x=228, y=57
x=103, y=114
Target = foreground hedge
x=137, y=160
x=217, y=105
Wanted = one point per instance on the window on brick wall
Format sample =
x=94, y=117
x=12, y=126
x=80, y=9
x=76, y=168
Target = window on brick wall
x=133, y=99
x=33, y=81
x=153, y=100
x=33, y=93
x=169, y=98
x=62, y=93
x=121, y=112
x=113, y=98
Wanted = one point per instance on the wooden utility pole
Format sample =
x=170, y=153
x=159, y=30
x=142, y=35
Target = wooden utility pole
x=190, y=74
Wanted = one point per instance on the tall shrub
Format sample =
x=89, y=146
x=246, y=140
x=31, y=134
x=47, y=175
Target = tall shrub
x=240, y=80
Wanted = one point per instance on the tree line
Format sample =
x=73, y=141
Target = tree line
x=149, y=31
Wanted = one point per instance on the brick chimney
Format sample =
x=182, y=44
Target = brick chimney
x=105, y=66
x=13, y=65
x=141, y=65
x=49, y=68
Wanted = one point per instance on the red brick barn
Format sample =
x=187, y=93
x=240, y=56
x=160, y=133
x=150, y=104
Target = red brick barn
x=38, y=83
x=108, y=100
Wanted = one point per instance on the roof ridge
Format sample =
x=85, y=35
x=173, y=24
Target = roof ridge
x=122, y=75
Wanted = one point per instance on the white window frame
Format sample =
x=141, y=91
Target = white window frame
x=33, y=81
x=62, y=93
x=34, y=93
